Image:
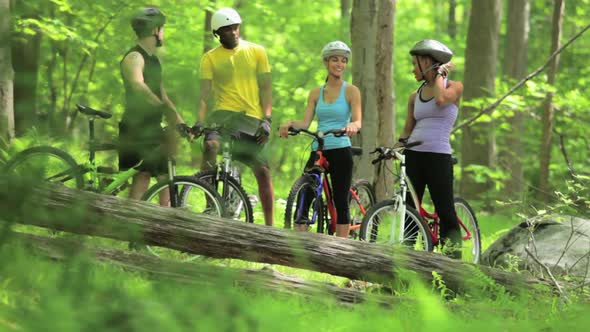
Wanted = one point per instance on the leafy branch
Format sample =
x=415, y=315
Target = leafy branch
x=495, y=104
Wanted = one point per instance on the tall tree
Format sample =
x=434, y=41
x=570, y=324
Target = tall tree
x=6, y=75
x=208, y=40
x=515, y=68
x=452, y=27
x=25, y=61
x=363, y=24
x=385, y=91
x=477, y=141
x=548, y=107
x=345, y=19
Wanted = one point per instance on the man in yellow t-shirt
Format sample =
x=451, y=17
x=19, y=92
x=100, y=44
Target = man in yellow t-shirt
x=238, y=73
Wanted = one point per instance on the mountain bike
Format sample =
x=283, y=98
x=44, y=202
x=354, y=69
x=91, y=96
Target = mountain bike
x=52, y=164
x=307, y=204
x=225, y=177
x=392, y=221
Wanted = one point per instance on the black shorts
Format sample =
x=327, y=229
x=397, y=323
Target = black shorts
x=143, y=146
x=241, y=129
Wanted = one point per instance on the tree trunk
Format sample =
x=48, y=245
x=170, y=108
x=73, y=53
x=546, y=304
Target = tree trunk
x=452, y=26
x=511, y=152
x=198, y=273
x=208, y=38
x=25, y=60
x=6, y=75
x=477, y=141
x=548, y=108
x=363, y=31
x=65, y=209
x=385, y=91
x=345, y=19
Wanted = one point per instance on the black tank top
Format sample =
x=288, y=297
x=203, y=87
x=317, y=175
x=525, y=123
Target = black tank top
x=138, y=112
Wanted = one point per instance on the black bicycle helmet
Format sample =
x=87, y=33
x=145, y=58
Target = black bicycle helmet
x=146, y=19
x=433, y=48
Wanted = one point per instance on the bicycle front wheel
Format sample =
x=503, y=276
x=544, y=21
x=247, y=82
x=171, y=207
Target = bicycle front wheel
x=236, y=204
x=199, y=198
x=303, y=204
x=361, y=198
x=47, y=163
x=384, y=224
x=471, y=246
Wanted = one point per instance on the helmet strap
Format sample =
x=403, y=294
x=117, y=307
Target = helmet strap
x=434, y=66
x=158, y=40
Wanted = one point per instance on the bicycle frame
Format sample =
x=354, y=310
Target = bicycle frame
x=321, y=164
x=324, y=185
x=120, y=178
x=432, y=218
x=224, y=170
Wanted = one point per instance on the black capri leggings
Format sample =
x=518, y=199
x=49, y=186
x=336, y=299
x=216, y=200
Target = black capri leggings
x=340, y=171
x=435, y=170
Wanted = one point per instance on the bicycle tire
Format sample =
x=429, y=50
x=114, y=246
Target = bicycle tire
x=207, y=202
x=62, y=167
x=471, y=248
x=366, y=199
x=308, y=185
x=238, y=206
x=416, y=236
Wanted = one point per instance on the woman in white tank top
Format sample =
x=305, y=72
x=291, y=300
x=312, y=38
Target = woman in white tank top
x=432, y=111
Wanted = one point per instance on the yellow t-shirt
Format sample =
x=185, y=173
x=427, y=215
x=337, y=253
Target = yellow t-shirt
x=234, y=75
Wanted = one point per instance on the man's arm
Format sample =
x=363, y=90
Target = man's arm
x=265, y=86
x=204, y=97
x=172, y=116
x=132, y=69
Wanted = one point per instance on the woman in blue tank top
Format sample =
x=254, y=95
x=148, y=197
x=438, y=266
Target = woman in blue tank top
x=432, y=111
x=337, y=105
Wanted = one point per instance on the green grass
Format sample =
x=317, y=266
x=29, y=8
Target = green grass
x=80, y=295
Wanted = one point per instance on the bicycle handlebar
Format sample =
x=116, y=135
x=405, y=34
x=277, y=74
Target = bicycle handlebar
x=199, y=130
x=182, y=129
x=317, y=134
x=389, y=153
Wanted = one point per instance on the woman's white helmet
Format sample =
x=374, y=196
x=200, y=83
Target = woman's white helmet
x=224, y=17
x=336, y=48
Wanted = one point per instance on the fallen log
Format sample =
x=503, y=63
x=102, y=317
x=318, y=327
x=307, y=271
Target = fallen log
x=65, y=209
x=198, y=273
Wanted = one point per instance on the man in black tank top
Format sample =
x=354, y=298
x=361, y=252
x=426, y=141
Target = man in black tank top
x=140, y=134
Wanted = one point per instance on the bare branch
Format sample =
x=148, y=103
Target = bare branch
x=567, y=243
x=559, y=289
x=495, y=104
x=570, y=168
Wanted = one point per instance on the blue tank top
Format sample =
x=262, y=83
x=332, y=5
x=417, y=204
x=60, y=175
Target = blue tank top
x=335, y=115
x=433, y=125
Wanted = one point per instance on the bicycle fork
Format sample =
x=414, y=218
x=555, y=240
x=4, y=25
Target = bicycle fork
x=400, y=209
x=172, y=188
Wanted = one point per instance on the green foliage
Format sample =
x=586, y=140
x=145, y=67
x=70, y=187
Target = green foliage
x=74, y=43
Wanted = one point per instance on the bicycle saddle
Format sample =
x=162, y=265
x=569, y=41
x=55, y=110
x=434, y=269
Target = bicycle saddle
x=356, y=150
x=92, y=112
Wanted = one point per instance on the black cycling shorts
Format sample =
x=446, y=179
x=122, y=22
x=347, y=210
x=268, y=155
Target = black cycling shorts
x=143, y=146
x=242, y=129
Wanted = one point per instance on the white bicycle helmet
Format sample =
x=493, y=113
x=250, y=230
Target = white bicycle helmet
x=336, y=48
x=224, y=17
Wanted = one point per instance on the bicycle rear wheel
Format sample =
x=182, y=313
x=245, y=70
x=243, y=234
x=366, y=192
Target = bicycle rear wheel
x=383, y=224
x=303, y=204
x=361, y=198
x=471, y=246
x=198, y=197
x=48, y=164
